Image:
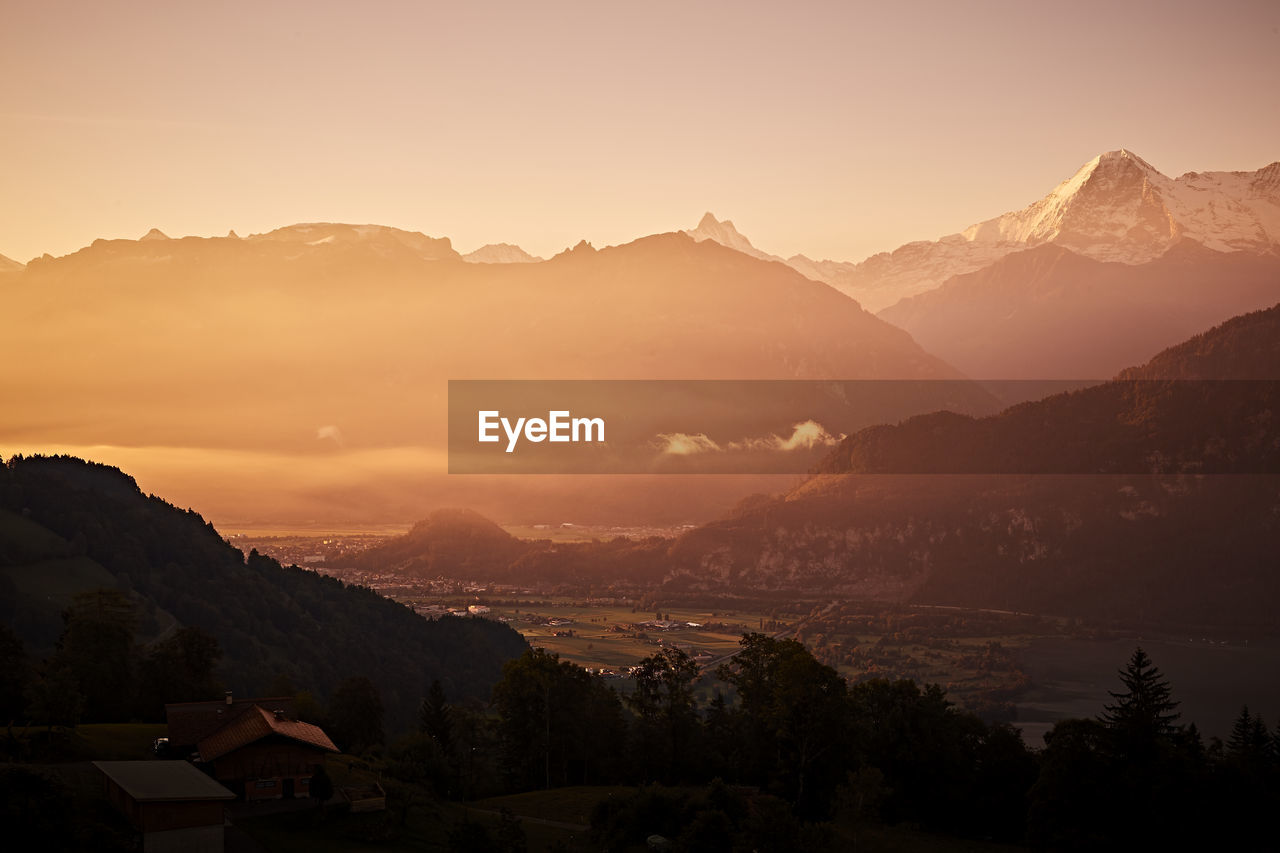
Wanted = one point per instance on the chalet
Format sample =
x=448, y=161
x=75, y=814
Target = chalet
x=191, y=722
x=263, y=755
x=171, y=804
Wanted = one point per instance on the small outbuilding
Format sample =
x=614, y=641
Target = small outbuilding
x=175, y=807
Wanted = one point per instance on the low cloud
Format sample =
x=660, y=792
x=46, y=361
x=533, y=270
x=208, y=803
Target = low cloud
x=683, y=444
x=804, y=436
x=330, y=432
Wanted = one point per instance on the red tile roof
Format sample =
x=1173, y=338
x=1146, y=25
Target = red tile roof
x=254, y=726
x=192, y=722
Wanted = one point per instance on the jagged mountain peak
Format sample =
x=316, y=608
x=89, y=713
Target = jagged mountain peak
x=581, y=249
x=709, y=221
x=726, y=234
x=153, y=234
x=1122, y=157
x=1118, y=207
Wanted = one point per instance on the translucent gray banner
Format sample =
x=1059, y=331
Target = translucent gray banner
x=862, y=426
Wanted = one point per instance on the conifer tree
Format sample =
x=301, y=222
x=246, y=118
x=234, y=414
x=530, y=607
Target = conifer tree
x=1240, y=742
x=1145, y=711
x=436, y=718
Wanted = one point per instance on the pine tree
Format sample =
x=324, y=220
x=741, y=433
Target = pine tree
x=1145, y=712
x=436, y=719
x=1240, y=742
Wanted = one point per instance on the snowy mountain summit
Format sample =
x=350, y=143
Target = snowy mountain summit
x=1118, y=207
x=710, y=228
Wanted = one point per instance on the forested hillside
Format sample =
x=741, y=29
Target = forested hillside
x=69, y=526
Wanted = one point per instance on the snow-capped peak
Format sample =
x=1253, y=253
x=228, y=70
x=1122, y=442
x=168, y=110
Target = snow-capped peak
x=724, y=233
x=1118, y=207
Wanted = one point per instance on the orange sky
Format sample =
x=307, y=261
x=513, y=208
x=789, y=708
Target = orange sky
x=834, y=129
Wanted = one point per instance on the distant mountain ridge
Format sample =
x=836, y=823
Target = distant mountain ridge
x=455, y=543
x=1116, y=207
x=329, y=233
x=324, y=330
x=1049, y=312
x=500, y=253
x=1173, y=548
x=1201, y=407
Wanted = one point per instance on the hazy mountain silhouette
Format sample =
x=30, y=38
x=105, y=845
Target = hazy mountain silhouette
x=1170, y=548
x=1202, y=407
x=455, y=543
x=1050, y=313
x=303, y=372
x=500, y=253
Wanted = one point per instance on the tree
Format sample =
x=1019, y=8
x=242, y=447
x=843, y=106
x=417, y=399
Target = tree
x=1073, y=804
x=663, y=700
x=180, y=669
x=355, y=715
x=55, y=698
x=1250, y=743
x=320, y=788
x=928, y=751
x=558, y=723
x=435, y=718
x=795, y=712
x=416, y=758
x=96, y=646
x=14, y=675
x=1145, y=712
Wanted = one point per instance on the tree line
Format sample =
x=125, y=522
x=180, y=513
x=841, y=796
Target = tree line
x=788, y=750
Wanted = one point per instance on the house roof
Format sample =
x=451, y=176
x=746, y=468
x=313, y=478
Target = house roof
x=191, y=722
x=162, y=781
x=256, y=724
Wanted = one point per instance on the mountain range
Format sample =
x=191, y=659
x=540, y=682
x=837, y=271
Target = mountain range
x=1116, y=207
x=1154, y=542
x=316, y=356
x=1170, y=546
x=1116, y=263
x=303, y=373
x=1051, y=313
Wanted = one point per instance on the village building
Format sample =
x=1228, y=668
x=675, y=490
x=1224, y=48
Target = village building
x=191, y=722
x=172, y=805
x=263, y=755
x=255, y=747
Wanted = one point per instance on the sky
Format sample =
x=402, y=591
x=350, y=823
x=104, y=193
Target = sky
x=833, y=129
